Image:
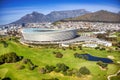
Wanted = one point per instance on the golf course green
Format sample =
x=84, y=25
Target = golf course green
x=44, y=56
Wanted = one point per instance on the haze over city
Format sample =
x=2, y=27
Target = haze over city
x=12, y=10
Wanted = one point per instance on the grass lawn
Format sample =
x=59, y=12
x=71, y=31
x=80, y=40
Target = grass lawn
x=44, y=56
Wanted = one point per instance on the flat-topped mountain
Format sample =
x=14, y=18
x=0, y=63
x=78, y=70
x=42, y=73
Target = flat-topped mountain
x=35, y=17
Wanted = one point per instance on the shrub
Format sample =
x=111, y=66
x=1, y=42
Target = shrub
x=11, y=57
x=59, y=55
x=31, y=66
x=63, y=48
x=5, y=44
x=102, y=48
x=84, y=71
x=76, y=55
x=70, y=48
x=80, y=47
x=97, y=47
x=30, y=46
x=54, y=52
x=6, y=78
x=49, y=68
x=62, y=67
x=2, y=60
x=43, y=70
x=25, y=61
x=51, y=79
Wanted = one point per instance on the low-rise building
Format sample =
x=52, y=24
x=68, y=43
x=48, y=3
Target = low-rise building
x=90, y=45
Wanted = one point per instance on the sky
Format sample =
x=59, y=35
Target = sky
x=12, y=10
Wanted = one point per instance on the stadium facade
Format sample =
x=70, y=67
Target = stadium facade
x=61, y=37
x=48, y=35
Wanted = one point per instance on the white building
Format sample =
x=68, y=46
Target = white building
x=104, y=43
x=90, y=45
x=64, y=45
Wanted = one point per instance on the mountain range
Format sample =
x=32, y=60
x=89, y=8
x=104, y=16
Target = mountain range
x=99, y=16
x=36, y=17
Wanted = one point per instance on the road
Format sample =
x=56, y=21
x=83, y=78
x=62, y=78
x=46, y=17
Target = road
x=113, y=75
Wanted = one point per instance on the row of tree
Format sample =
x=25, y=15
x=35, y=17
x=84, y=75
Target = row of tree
x=105, y=37
x=100, y=48
x=9, y=58
x=65, y=70
x=26, y=63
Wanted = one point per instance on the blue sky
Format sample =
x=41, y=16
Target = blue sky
x=12, y=10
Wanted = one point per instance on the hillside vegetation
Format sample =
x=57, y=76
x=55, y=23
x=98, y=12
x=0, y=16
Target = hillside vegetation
x=99, y=16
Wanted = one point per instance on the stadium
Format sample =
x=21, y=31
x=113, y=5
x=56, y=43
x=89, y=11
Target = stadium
x=61, y=37
x=47, y=35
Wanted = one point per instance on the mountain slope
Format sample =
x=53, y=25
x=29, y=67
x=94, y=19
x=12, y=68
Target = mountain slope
x=51, y=17
x=58, y=15
x=33, y=17
x=99, y=16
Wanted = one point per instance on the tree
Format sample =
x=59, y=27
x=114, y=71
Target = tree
x=80, y=47
x=62, y=67
x=76, y=55
x=84, y=71
x=49, y=68
x=102, y=48
x=6, y=78
x=2, y=60
x=5, y=44
x=9, y=58
x=97, y=47
x=31, y=66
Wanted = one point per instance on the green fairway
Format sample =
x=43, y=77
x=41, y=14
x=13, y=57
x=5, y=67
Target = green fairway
x=44, y=56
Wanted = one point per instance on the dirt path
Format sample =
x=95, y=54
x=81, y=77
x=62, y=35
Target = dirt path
x=113, y=75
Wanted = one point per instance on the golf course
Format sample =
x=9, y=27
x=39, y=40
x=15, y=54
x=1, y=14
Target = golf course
x=42, y=56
